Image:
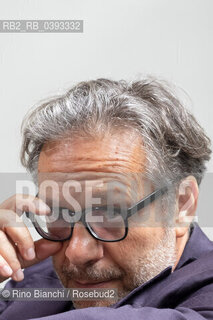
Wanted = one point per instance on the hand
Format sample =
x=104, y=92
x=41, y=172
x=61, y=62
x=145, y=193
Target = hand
x=17, y=249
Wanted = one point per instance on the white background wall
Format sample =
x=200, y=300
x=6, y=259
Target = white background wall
x=122, y=39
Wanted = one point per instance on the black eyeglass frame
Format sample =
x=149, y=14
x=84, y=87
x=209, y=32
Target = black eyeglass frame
x=130, y=211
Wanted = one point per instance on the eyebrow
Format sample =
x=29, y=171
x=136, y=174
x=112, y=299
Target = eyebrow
x=105, y=197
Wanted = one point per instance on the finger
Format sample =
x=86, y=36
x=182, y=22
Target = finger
x=21, y=236
x=8, y=253
x=43, y=249
x=13, y=226
x=5, y=270
x=20, y=203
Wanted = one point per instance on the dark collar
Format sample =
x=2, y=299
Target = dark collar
x=197, y=245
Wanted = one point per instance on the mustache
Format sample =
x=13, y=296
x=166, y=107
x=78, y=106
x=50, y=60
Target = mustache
x=91, y=273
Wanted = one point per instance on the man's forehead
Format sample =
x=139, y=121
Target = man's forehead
x=112, y=153
x=93, y=179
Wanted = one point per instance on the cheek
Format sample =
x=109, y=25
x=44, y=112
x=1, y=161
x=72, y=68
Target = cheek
x=143, y=239
x=121, y=253
x=138, y=241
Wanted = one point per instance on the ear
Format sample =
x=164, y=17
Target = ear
x=187, y=198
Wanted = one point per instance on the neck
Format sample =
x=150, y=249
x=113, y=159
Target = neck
x=180, y=245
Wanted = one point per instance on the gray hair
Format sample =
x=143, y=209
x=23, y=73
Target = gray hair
x=174, y=142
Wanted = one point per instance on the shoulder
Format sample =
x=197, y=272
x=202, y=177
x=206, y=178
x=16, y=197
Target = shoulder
x=189, y=282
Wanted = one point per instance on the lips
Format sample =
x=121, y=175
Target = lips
x=82, y=284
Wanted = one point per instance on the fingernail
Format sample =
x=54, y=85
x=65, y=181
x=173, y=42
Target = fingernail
x=18, y=275
x=7, y=271
x=30, y=253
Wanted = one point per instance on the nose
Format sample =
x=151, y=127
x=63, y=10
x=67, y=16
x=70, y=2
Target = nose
x=82, y=248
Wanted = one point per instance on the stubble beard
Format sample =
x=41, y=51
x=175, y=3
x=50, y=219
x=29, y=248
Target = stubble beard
x=141, y=270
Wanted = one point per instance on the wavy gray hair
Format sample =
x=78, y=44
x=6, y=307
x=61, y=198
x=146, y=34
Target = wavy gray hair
x=174, y=142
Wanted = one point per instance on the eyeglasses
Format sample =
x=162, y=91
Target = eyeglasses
x=104, y=223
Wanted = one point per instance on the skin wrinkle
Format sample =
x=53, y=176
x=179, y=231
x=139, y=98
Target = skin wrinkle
x=108, y=167
x=95, y=161
x=87, y=259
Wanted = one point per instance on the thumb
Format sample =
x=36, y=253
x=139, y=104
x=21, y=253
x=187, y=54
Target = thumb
x=43, y=249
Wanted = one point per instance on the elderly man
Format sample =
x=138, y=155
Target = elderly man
x=119, y=164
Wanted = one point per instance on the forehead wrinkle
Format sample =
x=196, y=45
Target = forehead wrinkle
x=113, y=153
x=123, y=162
x=108, y=155
x=95, y=166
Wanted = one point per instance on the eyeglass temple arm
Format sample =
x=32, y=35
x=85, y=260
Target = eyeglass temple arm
x=147, y=200
x=136, y=207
